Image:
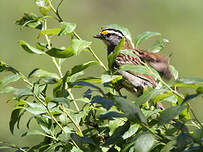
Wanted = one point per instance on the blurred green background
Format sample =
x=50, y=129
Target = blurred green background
x=179, y=21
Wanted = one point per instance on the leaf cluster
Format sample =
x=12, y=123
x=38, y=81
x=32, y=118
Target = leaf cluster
x=100, y=118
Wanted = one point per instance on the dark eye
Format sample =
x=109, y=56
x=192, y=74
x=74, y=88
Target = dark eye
x=108, y=35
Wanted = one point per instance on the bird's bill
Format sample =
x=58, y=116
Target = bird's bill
x=98, y=36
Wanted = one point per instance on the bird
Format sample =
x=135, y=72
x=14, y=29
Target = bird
x=134, y=82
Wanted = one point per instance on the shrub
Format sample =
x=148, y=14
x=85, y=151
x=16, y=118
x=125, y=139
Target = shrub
x=105, y=120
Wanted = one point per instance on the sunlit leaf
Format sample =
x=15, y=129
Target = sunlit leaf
x=81, y=67
x=32, y=132
x=8, y=79
x=76, y=47
x=39, y=73
x=144, y=36
x=174, y=72
x=110, y=78
x=43, y=6
x=129, y=52
x=54, y=31
x=67, y=28
x=29, y=48
x=147, y=96
x=158, y=45
x=131, y=131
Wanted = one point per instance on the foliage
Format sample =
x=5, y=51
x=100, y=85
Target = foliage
x=106, y=120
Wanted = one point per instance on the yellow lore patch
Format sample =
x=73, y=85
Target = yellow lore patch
x=104, y=32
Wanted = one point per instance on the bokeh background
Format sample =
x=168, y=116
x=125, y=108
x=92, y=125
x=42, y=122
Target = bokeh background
x=179, y=21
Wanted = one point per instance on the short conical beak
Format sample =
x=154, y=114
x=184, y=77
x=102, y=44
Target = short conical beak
x=98, y=36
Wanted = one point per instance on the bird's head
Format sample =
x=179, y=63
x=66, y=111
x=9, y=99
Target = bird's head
x=110, y=36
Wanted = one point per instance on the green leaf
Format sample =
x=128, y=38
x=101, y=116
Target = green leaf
x=37, y=108
x=29, y=48
x=39, y=73
x=167, y=115
x=117, y=134
x=147, y=96
x=191, y=80
x=83, y=83
x=7, y=90
x=32, y=132
x=5, y=147
x=81, y=67
x=61, y=100
x=158, y=45
x=8, y=79
x=111, y=115
x=140, y=69
x=129, y=52
x=110, y=78
x=53, y=31
x=131, y=111
x=144, y=143
x=124, y=30
x=76, y=47
x=43, y=6
x=144, y=36
x=174, y=72
x=131, y=131
x=199, y=90
x=168, y=147
x=14, y=119
x=114, y=54
x=30, y=20
x=60, y=53
x=106, y=103
x=67, y=28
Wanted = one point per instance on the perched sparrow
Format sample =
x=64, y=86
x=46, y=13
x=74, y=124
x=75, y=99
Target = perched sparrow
x=133, y=81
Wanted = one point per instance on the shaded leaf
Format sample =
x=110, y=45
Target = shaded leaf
x=143, y=143
x=61, y=100
x=14, y=119
x=144, y=36
x=29, y=48
x=114, y=54
x=190, y=97
x=117, y=134
x=111, y=115
x=169, y=146
x=30, y=20
x=67, y=28
x=106, y=103
x=124, y=30
x=167, y=115
x=132, y=112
